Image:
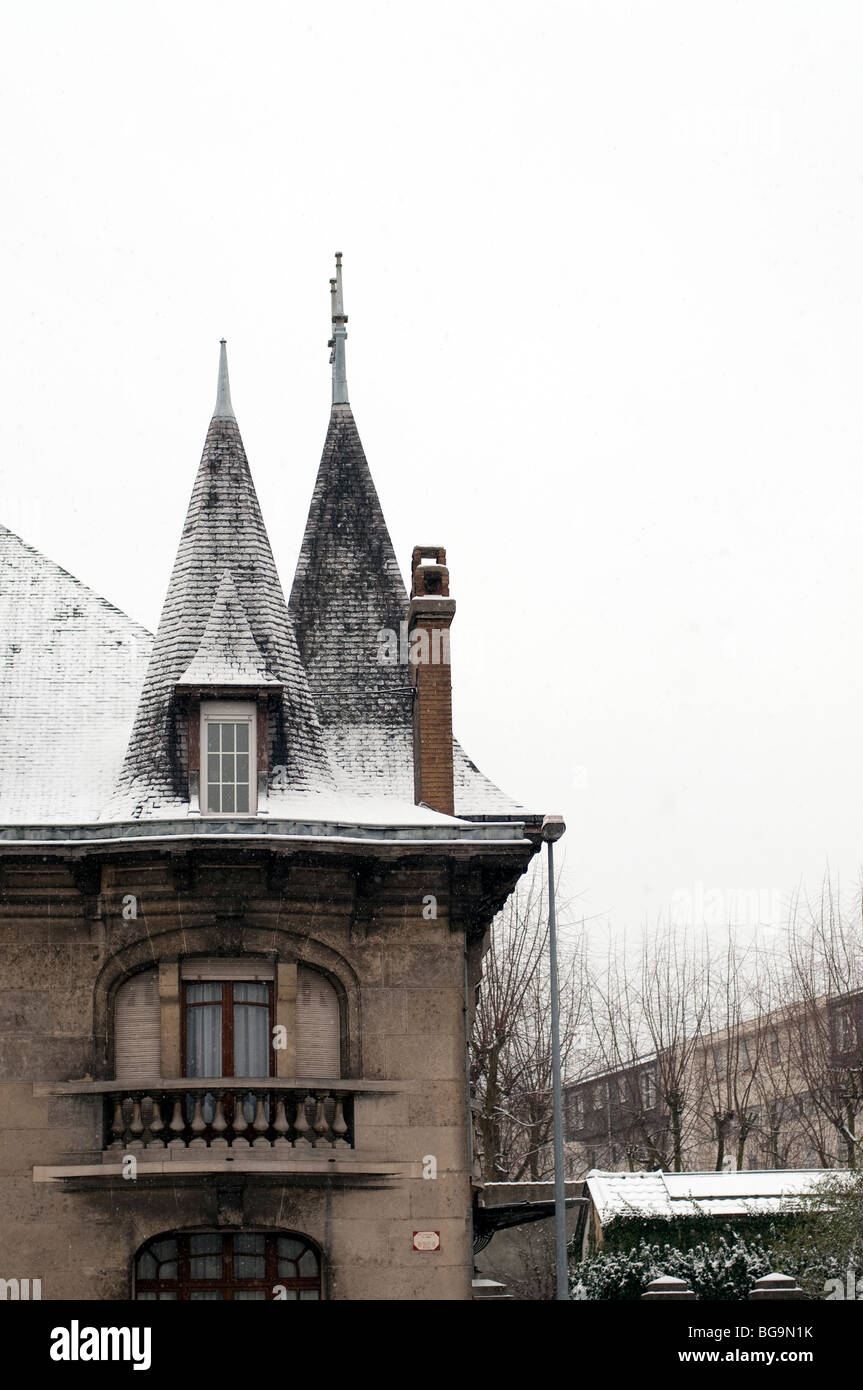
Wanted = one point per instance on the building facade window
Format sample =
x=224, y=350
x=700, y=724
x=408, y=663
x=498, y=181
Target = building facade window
x=228, y=1027
x=229, y=773
x=216, y=1267
x=647, y=1082
x=846, y=1033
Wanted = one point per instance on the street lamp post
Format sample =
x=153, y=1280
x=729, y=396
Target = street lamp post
x=552, y=829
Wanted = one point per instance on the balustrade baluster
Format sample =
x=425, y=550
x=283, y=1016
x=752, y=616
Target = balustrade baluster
x=321, y=1127
x=301, y=1124
x=281, y=1125
x=157, y=1124
x=260, y=1123
x=339, y=1126
x=240, y=1123
x=220, y=1124
x=198, y=1125
x=118, y=1124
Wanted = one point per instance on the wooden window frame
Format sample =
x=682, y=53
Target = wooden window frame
x=227, y=1021
x=184, y=1285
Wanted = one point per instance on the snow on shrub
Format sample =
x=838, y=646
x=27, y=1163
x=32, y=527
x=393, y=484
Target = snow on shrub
x=726, y=1270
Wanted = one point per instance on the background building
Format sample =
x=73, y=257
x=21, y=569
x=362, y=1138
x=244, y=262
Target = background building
x=778, y=1090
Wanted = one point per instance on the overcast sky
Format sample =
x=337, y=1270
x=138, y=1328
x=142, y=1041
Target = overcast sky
x=603, y=275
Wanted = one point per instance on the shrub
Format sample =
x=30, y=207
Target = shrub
x=726, y=1270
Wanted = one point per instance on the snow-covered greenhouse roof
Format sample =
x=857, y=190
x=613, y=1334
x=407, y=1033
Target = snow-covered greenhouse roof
x=751, y=1192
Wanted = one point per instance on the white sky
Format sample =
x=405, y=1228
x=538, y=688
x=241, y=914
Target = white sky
x=603, y=274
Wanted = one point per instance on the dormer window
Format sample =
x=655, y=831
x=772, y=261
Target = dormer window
x=229, y=773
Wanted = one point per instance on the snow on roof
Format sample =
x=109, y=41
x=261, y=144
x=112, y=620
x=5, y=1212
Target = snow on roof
x=224, y=530
x=80, y=683
x=228, y=653
x=348, y=588
x=71, y=669
x=751, y=1192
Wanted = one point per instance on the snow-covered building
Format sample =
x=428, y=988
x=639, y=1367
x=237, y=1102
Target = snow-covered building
x=246, y=875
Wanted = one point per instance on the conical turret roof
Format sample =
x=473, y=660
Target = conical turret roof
x=208, y=619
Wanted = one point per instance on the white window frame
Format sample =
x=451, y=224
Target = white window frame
x=235, y=711
x=647, y=1089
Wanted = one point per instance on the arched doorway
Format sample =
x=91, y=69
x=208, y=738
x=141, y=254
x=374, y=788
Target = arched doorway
x=222, y=1266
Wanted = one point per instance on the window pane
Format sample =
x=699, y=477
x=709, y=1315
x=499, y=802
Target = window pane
x=309, y=1296
x=212, y=738
x=309, y=1264
x=227, y=798
x=164, y=1250
x=250, y=1267
x=242, y=738
x=212, y=767
x=228, y=767
x=168, y=1270
x=247, y=1295
x=290, y=1249
x=146, y=1266
x=251, y=992
x=243, y=797
x=213, y=797
x=206, y=1296
x=168, y=1297
x=249, y=1245
x=205, y=1257
x=287, y=1269
x=146, y=1298
x=242, y=767
x=205, y=1245
x=204, y=1040
x=227, y=738
x=251, y=1040
x=202, y=992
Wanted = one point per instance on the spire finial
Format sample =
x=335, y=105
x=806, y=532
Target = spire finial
x=224, y=410
x=337, y=342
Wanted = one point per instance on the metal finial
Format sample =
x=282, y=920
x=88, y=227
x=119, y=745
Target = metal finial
x=337, y=342
x=224, y=410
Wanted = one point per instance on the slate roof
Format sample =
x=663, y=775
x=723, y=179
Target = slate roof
x=77, y=675
x=224, y=531
x=228, y=653
x=71, y=668
x=347, y=587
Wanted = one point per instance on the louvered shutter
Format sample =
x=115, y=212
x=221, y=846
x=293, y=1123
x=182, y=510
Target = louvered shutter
x=138, y=1029
x=318, y=1049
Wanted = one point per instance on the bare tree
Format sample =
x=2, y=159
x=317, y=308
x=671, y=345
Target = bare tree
x=511, y=1057
x=646, y=1015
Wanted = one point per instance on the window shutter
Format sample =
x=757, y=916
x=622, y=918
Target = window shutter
x=318, y=1040
x=138, y=1029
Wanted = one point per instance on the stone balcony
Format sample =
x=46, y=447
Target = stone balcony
x=266, y=1117
x=210, y=1124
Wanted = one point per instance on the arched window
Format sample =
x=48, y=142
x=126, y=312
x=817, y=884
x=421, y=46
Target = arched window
x=218, y=1266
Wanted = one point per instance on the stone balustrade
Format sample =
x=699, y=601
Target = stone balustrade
x=220, y=1114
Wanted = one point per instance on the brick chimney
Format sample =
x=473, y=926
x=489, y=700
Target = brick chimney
x=429, y=618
